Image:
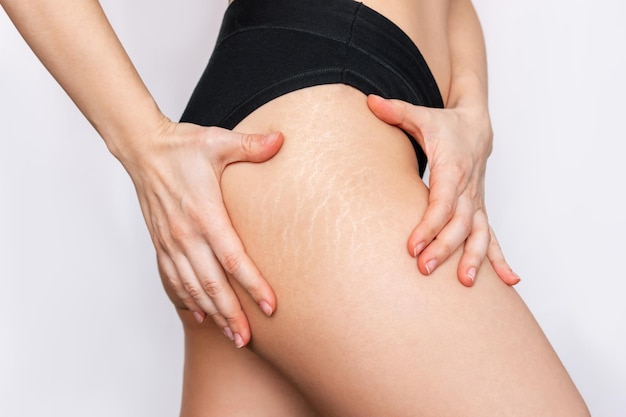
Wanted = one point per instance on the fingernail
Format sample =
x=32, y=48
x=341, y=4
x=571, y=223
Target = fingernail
x=418, y=248
x=266, y=308
x=199, y=316
x=471, y=274
x=228, y=333
x=269, y=139
x=431, y=265
x=238, y=341
x=518, y=278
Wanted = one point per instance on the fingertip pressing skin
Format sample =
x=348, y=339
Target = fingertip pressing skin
x=239, y=342
x=271, y=144
x=513, y=278
x=266, y=308
x=252, y=280
x=228, y=333
x=199, y=316
x=388, y=111
x=431, y=265
x=381, y=108
x=241, y=334
x=416, y=249
x=374, y=100
x=471, y=275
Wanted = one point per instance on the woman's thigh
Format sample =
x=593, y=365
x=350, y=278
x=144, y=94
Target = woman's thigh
x=357, y=328
x=221, y=380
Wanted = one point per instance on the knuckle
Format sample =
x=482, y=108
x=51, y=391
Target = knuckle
x=445, y=249
x=174, y=284
x=494, y=244
x=212, y=288
x=247, y=143
x=474, y=254
x=252, y=287
x=211, y=138
x=466, y=226
x=447, y=209
x=461, y=170
x=193, y=291
x=234, y=317
x=198, y=217
x=232, y=262
x=211, y=132
x=179, y=232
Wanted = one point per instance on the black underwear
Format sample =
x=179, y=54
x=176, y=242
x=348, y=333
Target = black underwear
x=268, y=48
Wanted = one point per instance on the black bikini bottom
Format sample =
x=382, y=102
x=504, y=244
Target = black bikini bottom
x=268, y=48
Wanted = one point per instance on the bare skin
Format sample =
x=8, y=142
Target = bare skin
x=176, y=168
x=359, y=331
x=403, y=345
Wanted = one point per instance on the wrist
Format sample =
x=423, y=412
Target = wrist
x=474, y=116
x=468, y=88
x=129, y=134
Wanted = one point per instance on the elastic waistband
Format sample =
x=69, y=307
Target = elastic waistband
x=345, y=21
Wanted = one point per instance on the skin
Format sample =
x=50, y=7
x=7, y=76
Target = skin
x=195, y=243
x=421, y=338
x=359, y=331
x=193, y=237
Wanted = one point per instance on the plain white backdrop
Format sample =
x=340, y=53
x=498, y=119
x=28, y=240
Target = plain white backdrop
x=85, y=329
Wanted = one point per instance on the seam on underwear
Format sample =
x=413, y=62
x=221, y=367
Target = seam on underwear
x=427, y=77
x=304, y=74
x=348, y=43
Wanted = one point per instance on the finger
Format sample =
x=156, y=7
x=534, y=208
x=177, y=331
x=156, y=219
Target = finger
x=400, y=113
x=215, y=296
x=215, y=285
x=228, y=147
x=448, y=240
x=442, y=205
x=499, y=264
x=174, y=286
x=232, y=256
x=174, y=267
x=475, y=250
x=172, y=282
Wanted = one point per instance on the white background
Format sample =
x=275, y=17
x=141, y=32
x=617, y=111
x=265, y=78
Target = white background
x=85, y=329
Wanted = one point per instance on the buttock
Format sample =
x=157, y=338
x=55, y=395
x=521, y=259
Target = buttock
x=266, y=49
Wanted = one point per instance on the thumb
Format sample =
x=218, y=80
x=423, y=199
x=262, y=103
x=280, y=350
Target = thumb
x=238, y=147
x=406, y=116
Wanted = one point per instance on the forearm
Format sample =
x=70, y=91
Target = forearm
x=76, y=43
x=468, y=58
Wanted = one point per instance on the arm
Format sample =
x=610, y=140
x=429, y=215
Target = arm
x=176, y=168
x=457, y=141
x=75, y=42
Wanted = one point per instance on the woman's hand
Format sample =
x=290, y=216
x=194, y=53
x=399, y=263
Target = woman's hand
x=177, y=178
x=457, y=142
